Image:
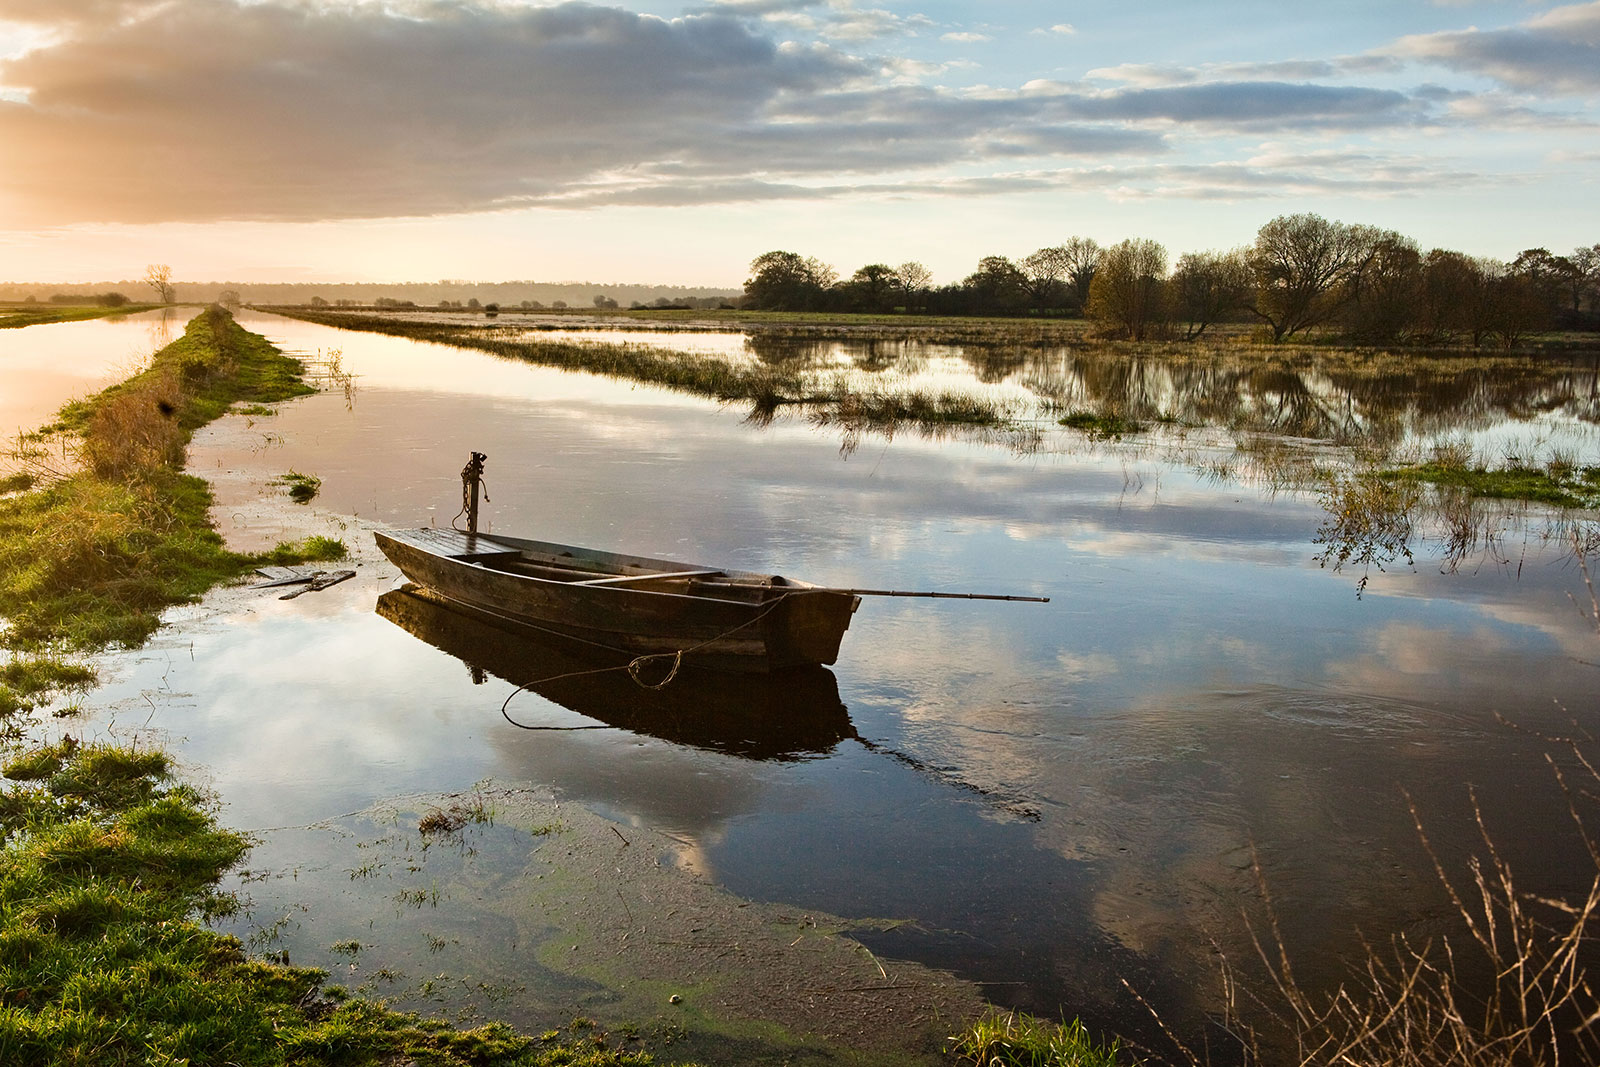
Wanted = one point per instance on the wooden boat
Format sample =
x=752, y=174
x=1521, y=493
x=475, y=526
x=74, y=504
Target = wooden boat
x=791, y=716
x=702, y=616
x=716, y=617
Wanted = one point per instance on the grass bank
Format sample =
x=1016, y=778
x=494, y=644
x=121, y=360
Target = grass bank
x=91, y=555
x=37, y=314
x=767, y=388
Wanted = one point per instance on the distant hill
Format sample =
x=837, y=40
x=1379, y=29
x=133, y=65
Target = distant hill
x=575, y=294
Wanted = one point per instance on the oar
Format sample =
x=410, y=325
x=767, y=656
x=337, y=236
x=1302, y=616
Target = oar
x=898, y=592
x=940, y=596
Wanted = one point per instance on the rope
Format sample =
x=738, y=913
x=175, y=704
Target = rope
x=633, y=666
x=467, y=476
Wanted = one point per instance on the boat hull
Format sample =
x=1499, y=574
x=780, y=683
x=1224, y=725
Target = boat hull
x=721, y=619
x=788, y=716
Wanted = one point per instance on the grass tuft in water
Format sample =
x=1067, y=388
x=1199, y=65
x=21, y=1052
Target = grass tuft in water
x=303, y=488
x=1013, y=1039
x=1100, y=426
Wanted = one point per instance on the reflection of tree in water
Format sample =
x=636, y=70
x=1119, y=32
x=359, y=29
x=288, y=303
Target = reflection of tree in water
x=1340, y=399
x=994, y=365
x=779, y=351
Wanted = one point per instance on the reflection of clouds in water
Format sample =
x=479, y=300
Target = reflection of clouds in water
x=1078, y=668
x=1196, y=685
x=305, y=713
x=45, y=366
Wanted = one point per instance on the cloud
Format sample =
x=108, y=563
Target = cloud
x=145, y=111
x=1159, y=75
x=1064, y=29
x=838, y=20
x=1557, y=52
x=966, y=37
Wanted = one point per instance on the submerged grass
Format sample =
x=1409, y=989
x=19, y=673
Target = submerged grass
x=303, y=488
x=37, y=314
x=1013, y=1039
x=1558, y=486
x=766, y=387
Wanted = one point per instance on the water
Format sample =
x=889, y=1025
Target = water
x=46, y=366
x=1058, y=796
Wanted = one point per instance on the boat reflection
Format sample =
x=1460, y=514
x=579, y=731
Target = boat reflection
x=791, y=716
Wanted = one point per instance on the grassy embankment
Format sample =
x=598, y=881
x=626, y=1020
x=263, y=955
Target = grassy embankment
x=767, y=388
x=36, y=314
x=110, y=865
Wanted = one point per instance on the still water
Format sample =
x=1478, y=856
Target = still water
x=1056, y=796
x=43, y=367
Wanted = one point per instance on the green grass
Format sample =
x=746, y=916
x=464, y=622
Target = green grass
x=38, y=314
x=303, y=488
x=1101, y=426
x=1012, y=1039
x=110, y=868
x=92, y=559
x=1556, y=485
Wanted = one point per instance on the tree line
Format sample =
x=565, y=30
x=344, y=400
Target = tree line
x=1303, y=273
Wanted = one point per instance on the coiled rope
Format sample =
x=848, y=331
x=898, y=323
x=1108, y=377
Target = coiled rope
x=633, y=667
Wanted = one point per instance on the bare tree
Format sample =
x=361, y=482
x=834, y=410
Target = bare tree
x=1305, y=269
x=1388, y=288
x=158, y=276
x=914, y=280
x=1206, y=286
x=1045, y=272
x=1082, y=255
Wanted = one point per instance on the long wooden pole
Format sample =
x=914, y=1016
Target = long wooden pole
x=894, y=592
x=941, y=596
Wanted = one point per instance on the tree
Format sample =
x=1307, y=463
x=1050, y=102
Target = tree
x=1585, y=278
x=229, y=298
x=1517, y=302
x=997, y=286
x=1452, y=297
x=913, y=279
x=1082, y=256
x=872, y=286
x=158, y=276
x=1045, y=274
x=1206, y=286
x=786, y=281
x=1388, y=287
x=1551, y=277
x=1305, y=267
x=1128, y=288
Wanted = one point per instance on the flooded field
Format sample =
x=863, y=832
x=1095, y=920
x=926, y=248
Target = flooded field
x=45, y=366
x=1044, y=799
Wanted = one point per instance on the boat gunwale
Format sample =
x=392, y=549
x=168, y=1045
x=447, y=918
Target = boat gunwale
x=520, y=546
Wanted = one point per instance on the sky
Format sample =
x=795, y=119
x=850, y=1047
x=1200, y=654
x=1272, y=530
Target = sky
x=671, y=142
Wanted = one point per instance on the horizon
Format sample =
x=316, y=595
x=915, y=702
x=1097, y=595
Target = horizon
x=332, y=142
